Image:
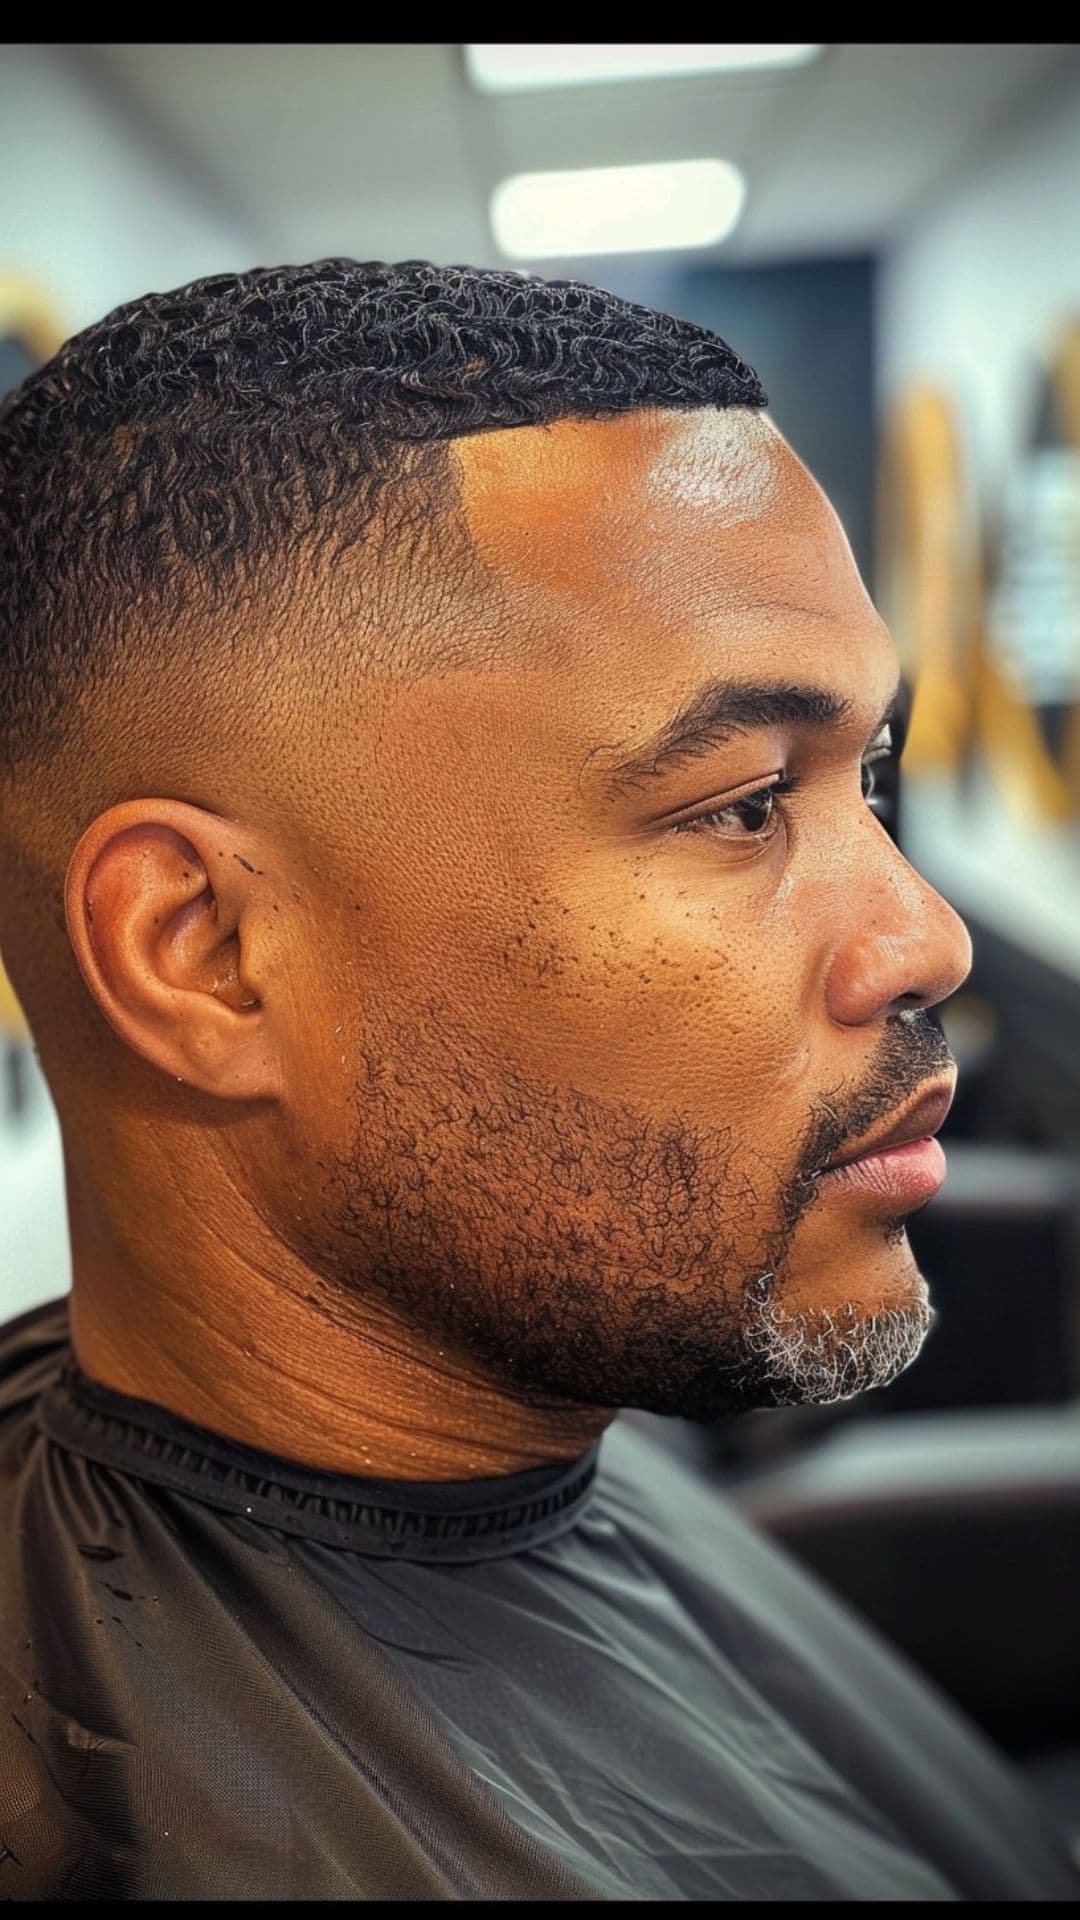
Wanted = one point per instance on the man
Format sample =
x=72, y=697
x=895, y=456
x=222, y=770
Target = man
x=439, y=719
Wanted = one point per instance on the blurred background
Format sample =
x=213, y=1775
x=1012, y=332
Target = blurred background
x=888, y=233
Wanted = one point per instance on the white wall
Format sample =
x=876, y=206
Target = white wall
x=969, y=292
x=35, y=1254
x=91, y=208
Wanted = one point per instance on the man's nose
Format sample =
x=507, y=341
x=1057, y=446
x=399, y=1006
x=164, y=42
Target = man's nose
x=901, y=944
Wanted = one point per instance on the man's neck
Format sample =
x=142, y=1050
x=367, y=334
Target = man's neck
x=312, y=1379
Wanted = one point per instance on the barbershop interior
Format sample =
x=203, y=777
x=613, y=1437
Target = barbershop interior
x=888, y=234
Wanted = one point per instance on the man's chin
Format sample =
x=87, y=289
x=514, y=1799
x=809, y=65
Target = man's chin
x=803, y=1357
x=819, y=1355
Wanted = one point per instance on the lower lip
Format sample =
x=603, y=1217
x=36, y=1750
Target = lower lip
x=905, y=1176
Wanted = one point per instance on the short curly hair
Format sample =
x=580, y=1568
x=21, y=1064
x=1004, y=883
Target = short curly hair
x=193, y=444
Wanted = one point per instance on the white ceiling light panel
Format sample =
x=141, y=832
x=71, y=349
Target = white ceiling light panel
x=681, y=203
x=517, y=68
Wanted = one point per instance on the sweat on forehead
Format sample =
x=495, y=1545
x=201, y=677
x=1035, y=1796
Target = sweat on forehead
x=705, y=503
x=723, y=459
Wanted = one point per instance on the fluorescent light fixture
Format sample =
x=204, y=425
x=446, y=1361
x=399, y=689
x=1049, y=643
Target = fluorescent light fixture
x=514, y=68
x=680, y=203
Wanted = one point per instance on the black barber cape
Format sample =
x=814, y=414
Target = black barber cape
x=228, y=1675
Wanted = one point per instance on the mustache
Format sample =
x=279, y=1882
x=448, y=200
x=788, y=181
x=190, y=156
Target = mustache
x=913, y=1051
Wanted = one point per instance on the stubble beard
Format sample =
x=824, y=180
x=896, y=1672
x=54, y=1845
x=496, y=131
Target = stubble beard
x=588, y=1254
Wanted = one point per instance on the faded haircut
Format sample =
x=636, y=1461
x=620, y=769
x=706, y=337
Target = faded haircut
x=194, y=449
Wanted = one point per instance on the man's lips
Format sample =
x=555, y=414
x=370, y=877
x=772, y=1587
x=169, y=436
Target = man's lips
x=916, y=1122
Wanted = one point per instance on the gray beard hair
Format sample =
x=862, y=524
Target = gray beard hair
x=823, y=1357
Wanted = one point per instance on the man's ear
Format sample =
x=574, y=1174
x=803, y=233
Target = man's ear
x=169, y=912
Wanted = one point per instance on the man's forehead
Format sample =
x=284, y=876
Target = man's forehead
x=635, y=561
x=547, y=477
x=668, y=519
x=624, y=564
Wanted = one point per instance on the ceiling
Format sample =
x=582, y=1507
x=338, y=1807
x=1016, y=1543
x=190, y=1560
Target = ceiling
x=385, y=151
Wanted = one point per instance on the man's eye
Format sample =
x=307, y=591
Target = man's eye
x=872, y=768
x=754, y=816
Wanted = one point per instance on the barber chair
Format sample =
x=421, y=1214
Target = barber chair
x=956, y=1535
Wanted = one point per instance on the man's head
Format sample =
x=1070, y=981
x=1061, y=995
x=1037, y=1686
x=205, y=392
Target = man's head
x=434, y=847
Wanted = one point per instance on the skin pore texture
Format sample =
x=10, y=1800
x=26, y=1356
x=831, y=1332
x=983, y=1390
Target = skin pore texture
x=429, y=1088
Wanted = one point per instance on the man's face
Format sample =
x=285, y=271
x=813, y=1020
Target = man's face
x=602, y=1023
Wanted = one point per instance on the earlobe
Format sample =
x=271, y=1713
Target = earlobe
x=166, y=935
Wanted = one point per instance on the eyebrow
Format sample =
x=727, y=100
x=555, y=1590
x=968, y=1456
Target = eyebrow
x=717, y=712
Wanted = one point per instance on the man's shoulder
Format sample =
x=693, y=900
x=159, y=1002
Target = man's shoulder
x=689, y=1524
x=32, y=1348
x=688, y=1521
x=653, y=1465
